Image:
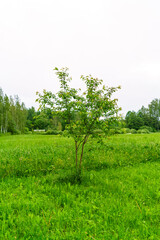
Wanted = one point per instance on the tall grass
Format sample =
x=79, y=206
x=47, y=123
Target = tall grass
x=118, y=198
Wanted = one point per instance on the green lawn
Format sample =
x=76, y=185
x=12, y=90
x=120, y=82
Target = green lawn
x=118, y=197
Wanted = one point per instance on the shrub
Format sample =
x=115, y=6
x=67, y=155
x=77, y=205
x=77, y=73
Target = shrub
x=143, y=131
x=53, y=132
x=125, y=130
x=113, y=131
x=26, y=130
x=65, y=133
x=98, y=133
x=147, y=128
x=133, y=131
x=16, y=132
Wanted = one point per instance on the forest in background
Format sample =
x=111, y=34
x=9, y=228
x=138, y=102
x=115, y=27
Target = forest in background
x=15, y=118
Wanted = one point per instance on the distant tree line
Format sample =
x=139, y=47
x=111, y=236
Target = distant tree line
x=13, y=114
x=149, y=117
x=16, y=118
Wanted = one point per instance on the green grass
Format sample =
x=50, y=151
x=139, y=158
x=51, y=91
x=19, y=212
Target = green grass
x=118, y=197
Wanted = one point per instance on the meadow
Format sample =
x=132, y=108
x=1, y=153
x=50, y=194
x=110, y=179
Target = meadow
x=118, y=196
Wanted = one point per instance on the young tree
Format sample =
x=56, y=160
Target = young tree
x=84, y=112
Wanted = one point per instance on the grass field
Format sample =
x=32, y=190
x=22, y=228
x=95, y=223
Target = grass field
x=118, y=197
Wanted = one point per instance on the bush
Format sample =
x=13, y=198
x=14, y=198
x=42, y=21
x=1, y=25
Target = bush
x=133, y=131
x=147, y=128
x=98, y=133
x=125, y=130
x=65, y=133
x=53, y=132
x=143, y=131
x=16, y=132
x=26, y=130
x=113, y=131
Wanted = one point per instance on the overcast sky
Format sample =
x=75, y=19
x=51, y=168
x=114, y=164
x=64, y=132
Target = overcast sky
x=115, y=40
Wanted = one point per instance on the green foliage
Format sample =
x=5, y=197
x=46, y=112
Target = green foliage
x=65, y=133
x=143, y=131
x=147, y=128
x=98, y=133
x=114, y=131
x=53, y=132
x=26, y=130
x=13, y=114
x=16, y=132
x=83, y=113
x=125, y=130
x=145, y=117
x=41, y=122
x=133, y=131
x=31, y=114
x=133, y=120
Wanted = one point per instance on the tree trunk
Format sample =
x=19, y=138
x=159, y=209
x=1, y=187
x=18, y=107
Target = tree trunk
x=84, y=142
x=76, y=154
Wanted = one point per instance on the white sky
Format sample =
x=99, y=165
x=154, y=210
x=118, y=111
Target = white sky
x=116, y=40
